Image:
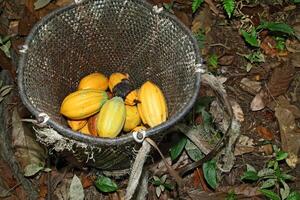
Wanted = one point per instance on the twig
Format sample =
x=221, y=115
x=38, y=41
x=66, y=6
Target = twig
x=9, y=190
x=220, y=44
x=212, y=7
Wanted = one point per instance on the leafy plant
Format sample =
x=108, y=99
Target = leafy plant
x=229, y=6
x=251, y=38
x=231, y=196
x=168, y=6
x=271, y=177
x=276, y=27
x=255, y=57
x=200, y=36
x=4, y=90
x=296, y=1
x=105, y=184
x=212, y=62
x=5, y=45
x=38, y=4
x=210, y=174
x=177, y=149
x=196, y=4
x=161, y=184
x=280, y=43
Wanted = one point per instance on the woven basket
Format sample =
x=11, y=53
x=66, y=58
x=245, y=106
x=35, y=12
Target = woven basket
x=107, y=36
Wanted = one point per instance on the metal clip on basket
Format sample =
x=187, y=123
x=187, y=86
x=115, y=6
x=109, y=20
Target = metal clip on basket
x=129, y=36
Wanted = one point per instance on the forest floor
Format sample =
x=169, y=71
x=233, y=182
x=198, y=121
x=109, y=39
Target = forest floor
x=253, y=51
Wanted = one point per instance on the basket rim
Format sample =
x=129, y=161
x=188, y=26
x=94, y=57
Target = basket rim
x=98, y=141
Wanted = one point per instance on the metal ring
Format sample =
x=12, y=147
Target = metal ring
x=23, y=49
x=42, y=119
x=139, y=136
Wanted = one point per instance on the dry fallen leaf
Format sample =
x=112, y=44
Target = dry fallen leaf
x=237, y=111
x=290, y=134
x=283, y=102
x=280, y=79
x=257, y=102
x=267, y=149
x=253, y=87
x=244, y=189
x=244, y=145
x=27, y=150
x=265, y=133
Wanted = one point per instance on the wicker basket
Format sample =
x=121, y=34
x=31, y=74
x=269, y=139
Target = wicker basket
x=108, y=36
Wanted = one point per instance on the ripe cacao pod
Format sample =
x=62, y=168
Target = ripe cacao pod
x=152, y=105
x=132, y=98
x=92, y=121
x=76, y=124
x=94, y=81
x=139, y=128
x=85, y=130
x=111, y=118
x=83, y=103
x=116, y=78
x=132, y=118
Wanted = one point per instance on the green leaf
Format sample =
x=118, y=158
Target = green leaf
x=294, y=196
x=203, y=103
x=164, y=178
x=169, y=186
x=281, y=155
x=41, y=3
x=231, y=196
x=250, y=175
x=251, y=38
x=193, y=151
x=158, y=191
x=168, y=6
x=296, y=1
x=105, y=184
x=32, y=169
x=210, y=175
x=196, y=4
x=76, y=189
x=6, y=48
x=285, y=191
x=268, y=183
x=229, y=6
x=285, y=176
x=270, y=194
x=177, y=149
x=276, y=27
x=213, y=61
x=255, y=57
x=250, y=168
x=265, y=172
x=47, y=169
x=162, y=187
x=200, y=36
x=280, y=43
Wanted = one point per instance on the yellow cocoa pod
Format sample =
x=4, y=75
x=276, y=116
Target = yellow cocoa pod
x=152, y=105
x=76, y=124
x=132, y=118
x=111, y=118
x=131, y=98
x=85, y=130
x=139, y=128
x=83, y=103
x=116, y=78
x=94, y=81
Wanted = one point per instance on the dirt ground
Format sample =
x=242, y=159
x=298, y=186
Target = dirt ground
x=263, y=91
